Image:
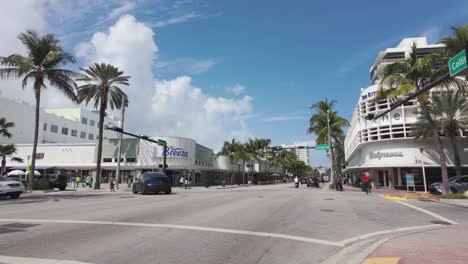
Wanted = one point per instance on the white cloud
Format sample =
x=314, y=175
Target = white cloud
x=164, y=107
x=285, y=117
x=174, y=20
x=236, y=89
x=187, y=66
x=123, y=9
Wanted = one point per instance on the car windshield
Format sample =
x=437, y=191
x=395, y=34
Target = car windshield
x=154, y=176
x=3, y=178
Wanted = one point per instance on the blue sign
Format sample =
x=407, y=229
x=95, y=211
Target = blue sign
x=409, y=178
x=175, y=152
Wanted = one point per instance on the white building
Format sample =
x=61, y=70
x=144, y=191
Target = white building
x=385, y=147
x=301, y=153
x=71, y=125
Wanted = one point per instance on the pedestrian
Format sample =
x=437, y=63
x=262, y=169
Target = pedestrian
x=182, y=181
x=339, y=183
x=366, y=182
x=111, y=185
x=186, y=182
x=129, y=182
x=88, y=181
x=74, y=183
x=189, y=180
x=77, y=180
x=296, y=182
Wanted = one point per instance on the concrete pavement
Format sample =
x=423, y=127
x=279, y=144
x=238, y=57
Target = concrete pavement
x=258, y=224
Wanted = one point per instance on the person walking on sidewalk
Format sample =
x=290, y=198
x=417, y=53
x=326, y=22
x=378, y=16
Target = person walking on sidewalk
x=88, y=181
x=78, y=181
x=339, y=183
x=181, y=181
x=189, y=182
x=111, y=184
x=366, y=183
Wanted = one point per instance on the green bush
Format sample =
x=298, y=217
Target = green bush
x=40, y=185
x=454, y=196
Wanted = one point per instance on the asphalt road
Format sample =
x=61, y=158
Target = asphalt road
x=260, y=224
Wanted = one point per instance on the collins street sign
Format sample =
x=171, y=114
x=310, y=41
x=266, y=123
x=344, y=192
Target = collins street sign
x=457, y=63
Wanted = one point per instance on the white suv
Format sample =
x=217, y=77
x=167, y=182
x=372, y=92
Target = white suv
x=10, y=188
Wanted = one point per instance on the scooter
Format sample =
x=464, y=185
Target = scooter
x=297, y=184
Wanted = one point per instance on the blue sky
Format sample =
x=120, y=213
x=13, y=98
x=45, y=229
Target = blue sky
x=286, y=55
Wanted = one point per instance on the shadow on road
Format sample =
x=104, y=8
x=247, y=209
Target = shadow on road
x=42, y=198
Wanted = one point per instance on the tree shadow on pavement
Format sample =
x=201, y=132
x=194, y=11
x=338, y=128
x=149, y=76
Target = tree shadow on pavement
x=42, y=198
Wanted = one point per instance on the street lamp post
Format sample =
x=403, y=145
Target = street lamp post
x=332, y=174
x=423, y=170
x=119, y=151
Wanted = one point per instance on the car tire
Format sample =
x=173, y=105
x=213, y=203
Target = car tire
x=15, y=196
x=168, y=192
x=62, y=188
x=453, y=190
x=134, y=191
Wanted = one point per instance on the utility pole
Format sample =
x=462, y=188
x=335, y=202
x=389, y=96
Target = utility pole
x=332, y=174
x=119, y=150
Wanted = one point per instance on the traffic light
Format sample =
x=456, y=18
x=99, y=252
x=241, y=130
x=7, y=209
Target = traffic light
x=115, y=128
x=303, y=147
x=277, y=148
x=143, y=137
x=160, y=166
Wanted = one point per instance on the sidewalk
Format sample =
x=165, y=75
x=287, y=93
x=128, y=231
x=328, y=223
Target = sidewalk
x=445, y=245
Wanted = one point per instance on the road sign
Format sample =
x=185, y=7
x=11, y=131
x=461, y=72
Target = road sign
x=409, y=179
x=322, y=147
x=457, y=63
x=162, y=142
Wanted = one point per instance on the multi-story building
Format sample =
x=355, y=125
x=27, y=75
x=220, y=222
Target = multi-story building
x=301, y=153
x=70, y=125
x=386, y=147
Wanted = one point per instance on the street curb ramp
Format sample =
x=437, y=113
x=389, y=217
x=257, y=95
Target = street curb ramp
x=355, y=253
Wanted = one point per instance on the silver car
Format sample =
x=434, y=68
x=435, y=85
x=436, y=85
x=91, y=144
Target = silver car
x=456, y=184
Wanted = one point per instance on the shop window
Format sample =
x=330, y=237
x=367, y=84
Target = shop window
x=121, y=159
x=83, y=135
x=64, y=131
x=54, y=129
x=131, y=159
x=107, y=160
x=74, y=133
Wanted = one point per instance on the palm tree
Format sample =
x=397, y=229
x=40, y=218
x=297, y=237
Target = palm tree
x=325, y=116
x=457, y=41
x=230, y=149
x=101, y=82
x=449, y=110
x=410, y=75
x=259, y=148
x=6, y=151
x=243, y=154
x=44, y=61
x=5, y=126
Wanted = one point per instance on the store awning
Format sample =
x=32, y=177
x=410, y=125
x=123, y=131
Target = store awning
x=36, y=168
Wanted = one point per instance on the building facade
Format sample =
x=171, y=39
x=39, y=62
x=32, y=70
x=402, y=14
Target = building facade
x=386, y=147
x=71, y=125
x=301, y=153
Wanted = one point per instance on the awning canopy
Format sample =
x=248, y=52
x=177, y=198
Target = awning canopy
x=36, y=168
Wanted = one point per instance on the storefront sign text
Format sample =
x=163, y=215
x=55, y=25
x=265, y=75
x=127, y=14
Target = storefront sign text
x=379, y=155
x=175, y=152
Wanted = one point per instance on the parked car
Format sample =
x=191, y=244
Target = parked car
x=10, y=188
x=152, y=182
x=58, y=181
x=313, y=181
x=303, y=180
x=456, y=184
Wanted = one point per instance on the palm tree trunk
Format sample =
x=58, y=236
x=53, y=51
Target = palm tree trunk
x=456, y=155
x=243, y=171
x=102, y=111
x=36, y=137
x=440, y=147
x=332, y=155
x=3, y=164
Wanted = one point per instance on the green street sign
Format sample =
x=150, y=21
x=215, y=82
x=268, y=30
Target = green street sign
x=322, y=147
x=457, y=63
x=162, y=142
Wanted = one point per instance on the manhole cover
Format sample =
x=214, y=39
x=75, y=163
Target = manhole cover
x=327, y=210
x=260, y=197
x=127, y=197
x=329, y=199
x=440, y=223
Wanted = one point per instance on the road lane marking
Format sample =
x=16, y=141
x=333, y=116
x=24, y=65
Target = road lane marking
x=428, y=212
x=386, y=260
x=187, y=227
x=22, y=260
x=383, y=232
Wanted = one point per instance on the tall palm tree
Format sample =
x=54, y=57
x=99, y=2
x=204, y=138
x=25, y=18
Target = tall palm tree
x=5, y=126
x=243, y=154
x=449, y=110
x=101, y=86
x=410, y=75
x=43, y=62
x=7, y=151
x=230, y=149
x=259, y=148
x=457, y=41
x=318, y=124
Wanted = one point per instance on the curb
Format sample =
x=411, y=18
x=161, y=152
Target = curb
x=355, y=253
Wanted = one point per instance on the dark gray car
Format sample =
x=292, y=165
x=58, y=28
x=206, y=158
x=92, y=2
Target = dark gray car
x=457, y=185
x=152, y=182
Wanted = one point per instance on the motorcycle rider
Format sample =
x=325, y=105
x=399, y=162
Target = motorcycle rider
x=296, y=182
